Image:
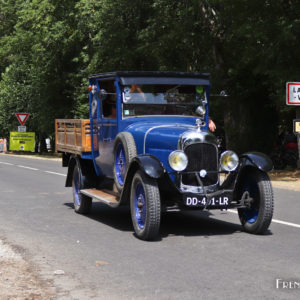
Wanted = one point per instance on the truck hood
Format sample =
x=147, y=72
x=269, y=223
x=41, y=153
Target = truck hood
x=161, y=138
x=155, y=137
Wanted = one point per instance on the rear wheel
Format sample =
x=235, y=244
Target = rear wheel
x=145, y=206
x=82, y=203
x=258, y=216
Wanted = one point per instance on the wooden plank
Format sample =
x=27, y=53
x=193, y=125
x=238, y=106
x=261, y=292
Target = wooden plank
x=101, y=196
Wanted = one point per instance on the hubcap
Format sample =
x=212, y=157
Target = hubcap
x=250, y=214
x=140, y=205
x=120, y=164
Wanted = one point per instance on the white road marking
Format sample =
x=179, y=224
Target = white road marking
x=274, y=220
x=286, y=223
x=60, y=174
x=29, y=168
x=5, y=163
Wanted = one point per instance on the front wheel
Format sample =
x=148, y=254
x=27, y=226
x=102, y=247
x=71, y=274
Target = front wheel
x=257, y=217
x=145, y=206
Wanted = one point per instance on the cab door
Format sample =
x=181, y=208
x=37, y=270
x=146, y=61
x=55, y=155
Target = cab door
x=107, y=127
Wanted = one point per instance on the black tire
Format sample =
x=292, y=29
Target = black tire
x=145, y=206
x=82, y=203
x=124, y=152
x=257, y=218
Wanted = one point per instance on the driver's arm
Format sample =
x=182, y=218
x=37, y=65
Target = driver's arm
x=211, y=125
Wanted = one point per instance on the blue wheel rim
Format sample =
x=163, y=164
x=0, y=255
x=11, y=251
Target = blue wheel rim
x=140, y=206
x=120, y=164
x=77, y=189
x=250, y=215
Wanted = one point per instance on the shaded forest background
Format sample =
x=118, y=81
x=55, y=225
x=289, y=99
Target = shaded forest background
x=251, y=48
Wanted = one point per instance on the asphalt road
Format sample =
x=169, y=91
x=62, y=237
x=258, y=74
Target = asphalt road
x=198, y=256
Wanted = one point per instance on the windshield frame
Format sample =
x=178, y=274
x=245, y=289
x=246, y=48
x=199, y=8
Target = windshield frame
x=202, y=99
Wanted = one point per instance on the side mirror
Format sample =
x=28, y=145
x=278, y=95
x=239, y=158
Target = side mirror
x=222, y=94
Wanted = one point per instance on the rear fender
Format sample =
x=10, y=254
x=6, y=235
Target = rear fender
x=73, y=161
x=87, y=170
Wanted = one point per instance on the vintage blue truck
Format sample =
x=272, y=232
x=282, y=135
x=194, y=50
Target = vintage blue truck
x=147, y=145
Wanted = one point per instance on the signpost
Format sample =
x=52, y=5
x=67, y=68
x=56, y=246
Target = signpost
x=22, y=141
x=22, y=117
x=21, y=128
x=293, y=98
x=293, y=93
x=296, y=126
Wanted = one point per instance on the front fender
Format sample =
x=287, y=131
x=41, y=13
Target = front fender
x=258, y=160
x=248, y=161
x=148, y=164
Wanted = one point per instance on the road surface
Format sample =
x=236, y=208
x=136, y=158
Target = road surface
x=198, y=255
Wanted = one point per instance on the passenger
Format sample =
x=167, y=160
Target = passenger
x=136, y=89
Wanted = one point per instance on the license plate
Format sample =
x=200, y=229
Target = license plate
x=202, y=201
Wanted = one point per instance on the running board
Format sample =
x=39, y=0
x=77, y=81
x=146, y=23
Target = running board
x=107, y=197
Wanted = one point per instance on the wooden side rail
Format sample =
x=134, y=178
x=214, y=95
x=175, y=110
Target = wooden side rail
x=72, y=135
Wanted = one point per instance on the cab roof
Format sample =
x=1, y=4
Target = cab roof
x=155, y=77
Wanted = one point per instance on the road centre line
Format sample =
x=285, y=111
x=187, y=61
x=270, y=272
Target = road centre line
x=273, y=220
x=5, y=163
x=60, y=174
x=29, y=168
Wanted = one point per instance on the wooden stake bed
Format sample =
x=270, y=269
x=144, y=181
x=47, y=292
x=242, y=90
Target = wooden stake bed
x=72, y=135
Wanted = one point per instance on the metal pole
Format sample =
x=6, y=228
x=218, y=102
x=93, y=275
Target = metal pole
x=298, y=134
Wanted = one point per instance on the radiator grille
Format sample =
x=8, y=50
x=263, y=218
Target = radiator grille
x=201, y=156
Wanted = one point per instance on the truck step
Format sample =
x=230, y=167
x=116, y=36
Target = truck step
x=107, y=197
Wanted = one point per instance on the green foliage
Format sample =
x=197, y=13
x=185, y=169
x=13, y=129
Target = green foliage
x=48, y=49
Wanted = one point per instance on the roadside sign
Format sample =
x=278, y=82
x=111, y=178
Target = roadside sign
x=293, y=93
x=21, y=128
x=22, y=141
x=296, y=126
x=22, y=117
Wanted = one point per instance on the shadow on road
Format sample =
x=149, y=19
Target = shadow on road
x=197, y=223
x=118, y=218
x=188, y=223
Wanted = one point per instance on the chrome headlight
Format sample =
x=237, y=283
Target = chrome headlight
x=229, y=161
x=178, y=160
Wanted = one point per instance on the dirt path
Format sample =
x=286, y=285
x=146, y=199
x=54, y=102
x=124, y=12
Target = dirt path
x=18, y=280
x=286, y=179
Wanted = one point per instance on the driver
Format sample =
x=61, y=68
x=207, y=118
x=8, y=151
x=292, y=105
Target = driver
x=200, y=94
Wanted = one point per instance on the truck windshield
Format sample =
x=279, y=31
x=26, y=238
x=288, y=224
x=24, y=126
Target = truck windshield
x=139, y=100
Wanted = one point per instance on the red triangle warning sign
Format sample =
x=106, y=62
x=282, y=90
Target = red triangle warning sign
x=22, y=117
